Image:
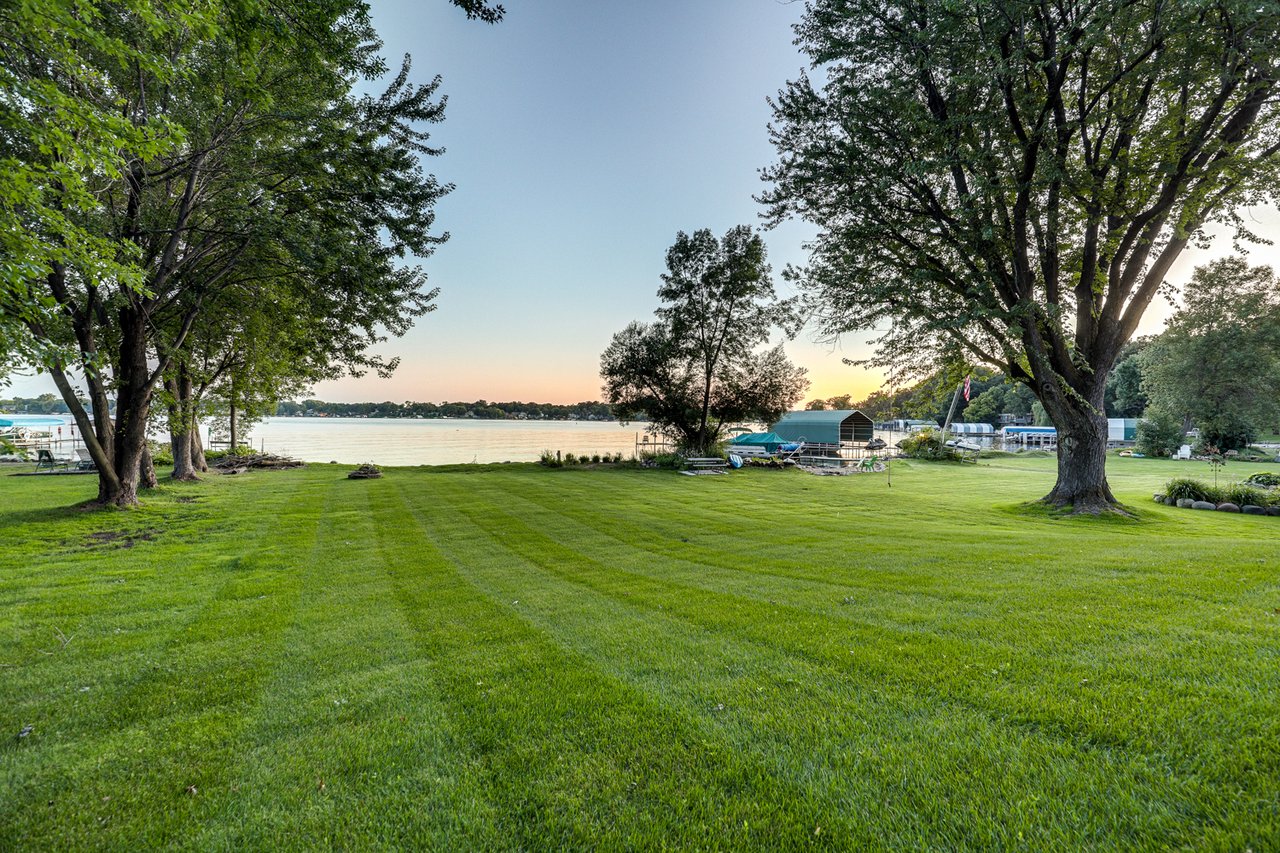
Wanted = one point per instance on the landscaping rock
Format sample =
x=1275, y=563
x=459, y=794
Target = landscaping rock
x=1170, y=501
x=1250, y=509
x=1228, y=507
x=1158, y=498
x=1203, y=505
x=1185, y=503
x=1273, y=510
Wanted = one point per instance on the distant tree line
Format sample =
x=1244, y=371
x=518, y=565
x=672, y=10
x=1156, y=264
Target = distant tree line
x=481, y=409
x=45, y=404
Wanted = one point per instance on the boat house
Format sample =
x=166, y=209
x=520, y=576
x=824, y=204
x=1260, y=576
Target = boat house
x=827, y=432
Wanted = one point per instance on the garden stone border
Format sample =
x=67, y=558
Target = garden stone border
x=1225, y=506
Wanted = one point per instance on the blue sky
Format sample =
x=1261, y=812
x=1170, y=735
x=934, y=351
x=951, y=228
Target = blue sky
x=581, y=137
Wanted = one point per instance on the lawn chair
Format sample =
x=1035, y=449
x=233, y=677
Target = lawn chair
x=84, y=460
x=46, y=461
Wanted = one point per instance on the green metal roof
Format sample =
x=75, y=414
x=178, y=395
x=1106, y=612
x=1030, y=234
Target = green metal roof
x=825, y=427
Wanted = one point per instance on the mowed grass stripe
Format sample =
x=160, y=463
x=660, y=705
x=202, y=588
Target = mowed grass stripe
x=825, y=695
x=127, y=749
x=560, y=737
x=351, y=716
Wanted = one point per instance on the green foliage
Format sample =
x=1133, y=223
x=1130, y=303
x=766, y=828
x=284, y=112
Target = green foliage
x=699, y=367
x=570, y=459
x=1158, y=434
x=673, y=461
x=987, y=406
x=1189, y=489
x=1218, y=362
x=1124, y=395
x=925, y=444
x=161, y=453
x=178, y=199
x=1009, y=183
x=1265, y=479
x=550, y=459
x=1241, y=494
x=1226, y=431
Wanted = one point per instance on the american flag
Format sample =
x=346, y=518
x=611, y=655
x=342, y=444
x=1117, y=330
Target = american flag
x=966, y=389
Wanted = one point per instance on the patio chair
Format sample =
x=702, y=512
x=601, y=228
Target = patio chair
x=46, y=461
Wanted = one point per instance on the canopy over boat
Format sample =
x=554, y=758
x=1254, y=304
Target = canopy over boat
x=31, y=421
x=770, y=441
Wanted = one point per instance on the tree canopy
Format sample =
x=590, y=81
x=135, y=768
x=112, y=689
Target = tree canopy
x=1217, y=365
x=698, y=368
x=1008, y=182
x=173, y=163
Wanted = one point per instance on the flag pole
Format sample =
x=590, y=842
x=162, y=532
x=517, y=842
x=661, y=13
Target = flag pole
x=955, y=398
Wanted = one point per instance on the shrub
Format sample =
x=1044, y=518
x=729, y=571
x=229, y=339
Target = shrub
x=1184, y=487
x=1226, y=432
x=1159, y=434
x=1241, y=494
x=595, y=459
x=570, y=459
x=925, y=444
x=549, y=459
x=661, y=460
x=1265, y=479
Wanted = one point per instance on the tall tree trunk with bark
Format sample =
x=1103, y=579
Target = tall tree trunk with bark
x=1082, y=448
x=132, y=407
x=147, y=469
x=198, y=462
x=181, y=426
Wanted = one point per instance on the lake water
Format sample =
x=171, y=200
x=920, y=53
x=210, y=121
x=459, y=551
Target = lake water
x=444, y=441
x=401, y=441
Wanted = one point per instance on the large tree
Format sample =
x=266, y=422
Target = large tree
x=242, y=154
x=700, y=366
x=1217, y=365
x=1013, y=179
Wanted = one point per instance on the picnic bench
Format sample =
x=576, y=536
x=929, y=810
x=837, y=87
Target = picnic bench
x=705, y=465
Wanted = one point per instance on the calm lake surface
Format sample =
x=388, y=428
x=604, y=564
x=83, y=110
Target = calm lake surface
x=401, y=441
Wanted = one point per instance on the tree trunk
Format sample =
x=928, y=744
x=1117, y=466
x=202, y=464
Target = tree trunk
x=198, y=462
x=1082, y=453
x=180, y=425
x=180, y=442
x=147, y=469
x=132, y=406
x=232, y=421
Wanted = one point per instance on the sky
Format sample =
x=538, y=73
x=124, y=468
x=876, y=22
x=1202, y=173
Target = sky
x=582, y=136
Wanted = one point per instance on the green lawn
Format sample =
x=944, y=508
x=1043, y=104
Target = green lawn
x=515, y=657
